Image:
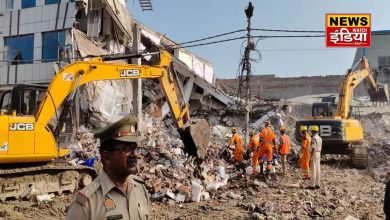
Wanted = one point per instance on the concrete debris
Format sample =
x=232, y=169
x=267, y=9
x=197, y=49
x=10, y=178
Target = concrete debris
x=234, y=196
x=172, y=176
x=349, y=217
x=180, y=198
x=30, y=192
x=377, y=139
x=257, y=216
x=45, y=197
x=196, y=191
x=217, y=186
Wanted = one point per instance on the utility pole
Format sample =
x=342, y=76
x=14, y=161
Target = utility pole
x=247, y=66
x=137, y=83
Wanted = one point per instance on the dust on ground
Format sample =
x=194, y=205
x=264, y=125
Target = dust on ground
x=345, y=192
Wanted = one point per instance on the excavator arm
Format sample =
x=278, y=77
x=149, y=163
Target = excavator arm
x=30, y=139
x=79, y=73
x=377, y=92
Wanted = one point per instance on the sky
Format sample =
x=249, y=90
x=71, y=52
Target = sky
x=184, y=20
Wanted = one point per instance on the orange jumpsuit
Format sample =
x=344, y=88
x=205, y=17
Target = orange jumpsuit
x=304, y=161
x=254, y=146
x=239, y=149
x=267, y=138
x=284, y=148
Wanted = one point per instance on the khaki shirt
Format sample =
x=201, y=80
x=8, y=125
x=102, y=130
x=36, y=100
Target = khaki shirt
x=103, y=200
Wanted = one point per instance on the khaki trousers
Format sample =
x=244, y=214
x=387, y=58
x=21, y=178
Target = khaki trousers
x=315, y=169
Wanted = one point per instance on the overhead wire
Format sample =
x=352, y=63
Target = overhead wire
x=281, y=30
x=259, y=37
x=211, y=37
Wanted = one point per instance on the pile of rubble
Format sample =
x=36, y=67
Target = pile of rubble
x=170, y=173
x=377, y=129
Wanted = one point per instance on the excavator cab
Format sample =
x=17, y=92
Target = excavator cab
x=322, y=109
x=22, y=99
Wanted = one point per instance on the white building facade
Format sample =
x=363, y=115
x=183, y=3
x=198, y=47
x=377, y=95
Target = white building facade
x=378, y=56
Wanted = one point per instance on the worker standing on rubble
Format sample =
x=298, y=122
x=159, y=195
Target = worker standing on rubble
x=115, y=193
x=267, y=141
x=304, y=160
x=315, y=148
x=284, y=147
x=238, y=149
x=254, y=147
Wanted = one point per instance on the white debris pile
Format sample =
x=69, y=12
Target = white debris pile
x=169, y=173
x=377, y=128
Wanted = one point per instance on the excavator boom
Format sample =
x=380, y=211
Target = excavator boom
x=377, y=92
x=340, y=133
x=27, y=142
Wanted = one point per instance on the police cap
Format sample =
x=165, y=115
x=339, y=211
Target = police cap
x=124, y=130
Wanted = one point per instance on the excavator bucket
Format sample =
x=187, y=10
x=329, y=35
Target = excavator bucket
x=196, y=138
x=382, y=95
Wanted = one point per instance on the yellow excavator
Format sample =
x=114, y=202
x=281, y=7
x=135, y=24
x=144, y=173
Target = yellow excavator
x=341, y=134
x=30, y=154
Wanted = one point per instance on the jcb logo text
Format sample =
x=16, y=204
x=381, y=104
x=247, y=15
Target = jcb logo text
x=21, y=127
x=127, y=73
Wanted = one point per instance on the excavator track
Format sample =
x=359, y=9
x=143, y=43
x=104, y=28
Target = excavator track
x=16, y=181
x=360, y=156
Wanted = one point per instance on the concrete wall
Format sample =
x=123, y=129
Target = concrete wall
x=202, y=68
x=269, y=86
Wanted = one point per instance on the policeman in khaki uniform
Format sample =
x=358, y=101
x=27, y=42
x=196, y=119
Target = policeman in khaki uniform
x=115, y=193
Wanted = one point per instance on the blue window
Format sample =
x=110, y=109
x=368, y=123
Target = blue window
x=52, y=43
x=28, y=3
x=20, y=49
x=49, y=2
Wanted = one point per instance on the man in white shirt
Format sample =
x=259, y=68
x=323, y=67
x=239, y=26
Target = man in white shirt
x=315, y=148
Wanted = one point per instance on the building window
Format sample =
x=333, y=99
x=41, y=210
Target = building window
x=20, y=49
x=28, y=3
x=52, y=45
x=9, y=4
x=49, y=2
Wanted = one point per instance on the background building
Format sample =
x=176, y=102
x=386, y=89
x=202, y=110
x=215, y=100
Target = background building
x=40, y=36
x=378, y=56
x=270, y=86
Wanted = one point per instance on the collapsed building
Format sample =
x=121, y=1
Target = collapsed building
x=40, y=37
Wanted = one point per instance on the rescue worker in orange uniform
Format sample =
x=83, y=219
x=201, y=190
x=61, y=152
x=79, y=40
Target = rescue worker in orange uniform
x=304, y=160
x=267, y=141
x=284, y=147
x=254, y=147
x=239, y=148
